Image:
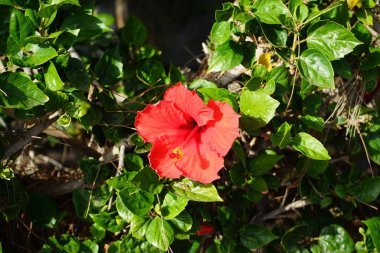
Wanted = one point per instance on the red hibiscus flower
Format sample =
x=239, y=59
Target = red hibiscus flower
x=189, y=138
x=205, y=229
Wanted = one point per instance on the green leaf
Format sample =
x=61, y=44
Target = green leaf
x=237, y=174
x=373, y=225
x=77, y=106
x=109, y=68
x=316, y=68
x=269, y=88
x=225, y=13
x=283, y=136
x=81, y=199
x=67, y=38
x=196, y=191
x=226, y=56
x=64, y=120
x=342, y=68
x=33, y=55
x=52, y=78
x=334, y=238
x=46, y=10
x=201, y=83
x=369, y=189
x=257, y=109
x=298, y=10
x=88, y=246
x=175, y=75
x=317, y=12
x=364, y=35
x=18, y=91
x=133, y=162
x=123, y=211
x=108, y=221
x=219, y=94
x=100, y=196
x=77, y=74
x=373, y=146
x=137, y=201
x=279, y=75
x=7, y=2
x=339, y=15
x=139, y=226
x=249, y=54
x=259, y=70
x=122, y=181
x=332, y=39
x=314, y=122
x=106, y=18
x=89, y=25
x=98, y=233
x=373, y=59
x=317, y=167
x=151, y=71
x=159, y=233
x=221, y=32
x=148, y=180
x=270, y=11
x=6, y=173
x=261, y=164
x=275, y=34
x=255, y=237
x=173, y=205
x=20, y=27
x=310, y=147
x=183, y=221
x=365, y=16
x=239, y=151
x=258, y=184
x=64, y=243
x=134, y=32
x=292, y=240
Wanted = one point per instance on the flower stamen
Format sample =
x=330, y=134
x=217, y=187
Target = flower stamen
x=176, y=154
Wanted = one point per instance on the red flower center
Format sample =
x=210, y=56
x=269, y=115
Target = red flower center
x=176, y=154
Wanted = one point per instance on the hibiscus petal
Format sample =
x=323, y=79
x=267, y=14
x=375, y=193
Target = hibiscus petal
x=161, y=161
x=220, y=133
x=190, y=104
x=199, y=162
x=161, y=119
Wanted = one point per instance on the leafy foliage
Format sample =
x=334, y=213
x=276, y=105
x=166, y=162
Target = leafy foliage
x=303, y=75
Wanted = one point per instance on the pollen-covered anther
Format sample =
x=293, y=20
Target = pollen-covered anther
x=177, y=154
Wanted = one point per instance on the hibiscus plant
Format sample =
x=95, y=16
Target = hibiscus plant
x=271, y=145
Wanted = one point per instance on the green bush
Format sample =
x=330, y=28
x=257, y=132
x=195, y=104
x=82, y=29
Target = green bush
x=301, y=177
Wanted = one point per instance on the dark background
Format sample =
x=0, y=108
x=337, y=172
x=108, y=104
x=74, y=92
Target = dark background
x=176, y=27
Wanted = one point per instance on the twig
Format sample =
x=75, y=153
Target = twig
x=62, y=189
x=284, y=197
x=297, y=204
x=372, y=31
x=2, y=68
x=73, y=53
x=120, y=167
x=365, y=149
x=34, y=131
x=121, y=12
x=46, y=159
